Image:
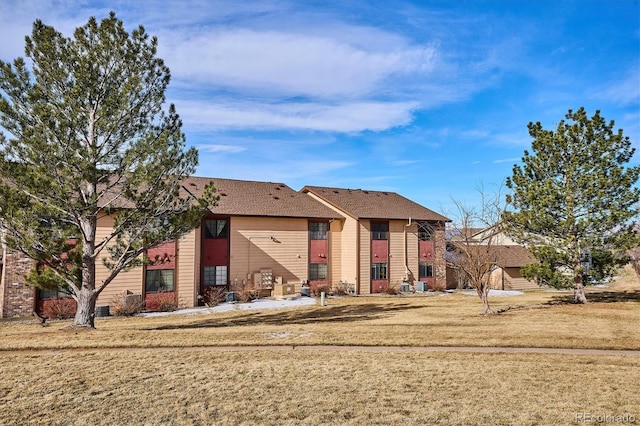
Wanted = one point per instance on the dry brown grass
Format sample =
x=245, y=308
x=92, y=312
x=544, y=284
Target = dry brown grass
x=536, y=319
x=289, y=387
x=168, y=370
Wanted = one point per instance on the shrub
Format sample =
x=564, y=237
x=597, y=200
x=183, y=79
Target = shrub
x=439, y=286
x=59, y=308
x=247, y=295
x=214, y=295
x=125, y=304
x=343, y=288
x=392, y=289
x=161, y=302
x=317, y=290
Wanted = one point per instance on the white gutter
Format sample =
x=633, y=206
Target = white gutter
x=406, y=254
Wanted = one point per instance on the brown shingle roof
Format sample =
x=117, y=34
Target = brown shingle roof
x=364, y=204
x=505, y=256
x=514, y=256
x=250, y=198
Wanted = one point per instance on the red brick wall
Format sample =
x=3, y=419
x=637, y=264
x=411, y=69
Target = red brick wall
x=16, y=298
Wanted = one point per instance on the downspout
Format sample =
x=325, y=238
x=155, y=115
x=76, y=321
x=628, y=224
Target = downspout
x=358, y=257
x=406, y=254
x=329, y=257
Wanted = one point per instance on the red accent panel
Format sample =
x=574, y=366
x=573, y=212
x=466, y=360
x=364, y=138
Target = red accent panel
x=379, y=286
x=162, y=256
x=425, y=250
x=379, y=251
x=319, y=251
x=430, y=282
x=314, y=284
x=216, y=252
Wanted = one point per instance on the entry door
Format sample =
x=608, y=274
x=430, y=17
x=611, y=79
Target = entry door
x=379, y=257
x=425, y=252
x=215, y=253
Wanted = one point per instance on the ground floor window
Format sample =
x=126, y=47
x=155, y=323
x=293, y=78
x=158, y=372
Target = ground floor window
x=379, y=271
x=44, y=294
x=159, y=280
x=215, y=275
x=425, y=270
x=317, y=271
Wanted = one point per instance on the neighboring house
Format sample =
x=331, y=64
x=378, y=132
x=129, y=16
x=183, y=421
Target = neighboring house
x=507, y=254
x=267, y=236
x=507, y=276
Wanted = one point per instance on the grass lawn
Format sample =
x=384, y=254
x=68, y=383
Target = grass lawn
x=246, y=367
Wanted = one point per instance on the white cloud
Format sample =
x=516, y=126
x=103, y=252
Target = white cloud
x=217, y=148
x=507, y=160
x=289, y=64
x=346, y=117
x=625, y=91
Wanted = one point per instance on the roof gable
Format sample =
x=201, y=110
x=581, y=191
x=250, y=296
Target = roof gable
x=365, y=204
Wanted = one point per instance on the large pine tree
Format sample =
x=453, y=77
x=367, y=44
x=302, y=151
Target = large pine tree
x=575, y=195
x=88, y=137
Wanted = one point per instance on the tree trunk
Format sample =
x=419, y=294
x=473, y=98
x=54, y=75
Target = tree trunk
x=86, y=299
x=579, y=295
x=86, y=310
x=483, y=292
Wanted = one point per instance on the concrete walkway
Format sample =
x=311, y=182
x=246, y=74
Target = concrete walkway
x=347, y=348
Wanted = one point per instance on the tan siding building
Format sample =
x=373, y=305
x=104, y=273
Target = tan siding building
x=262, y=232
x=380, y=238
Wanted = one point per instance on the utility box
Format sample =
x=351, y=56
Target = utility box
x=421, y=286
x=281, y=290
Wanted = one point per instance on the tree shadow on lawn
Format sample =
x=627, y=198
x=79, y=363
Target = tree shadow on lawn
x=599, y=297
x=348, y=313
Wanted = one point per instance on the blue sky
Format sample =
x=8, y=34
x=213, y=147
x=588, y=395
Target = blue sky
x=430, y=99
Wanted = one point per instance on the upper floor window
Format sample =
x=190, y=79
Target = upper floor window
x=380, y=230
x=216, y=228
x=318, y=230
x=159, y=280
x=425, y=232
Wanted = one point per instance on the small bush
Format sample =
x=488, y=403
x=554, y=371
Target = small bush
x=343, y=288
x=392, y=289
x=161, y=302
x=247, y=295
x=59, y=308
x=214, y=295
x=125, y=304
x=317, y=290
x=439, y=286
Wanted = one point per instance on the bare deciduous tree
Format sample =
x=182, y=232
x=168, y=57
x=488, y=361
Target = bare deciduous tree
x=473, y=237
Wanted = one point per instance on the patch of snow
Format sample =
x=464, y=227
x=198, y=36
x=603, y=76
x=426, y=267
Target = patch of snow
x=505, y=292
x=493, y=292
x=279, y=335
x=283, y=334
x=257, y=304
